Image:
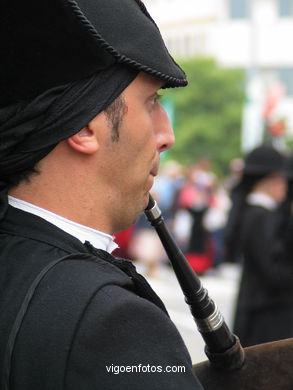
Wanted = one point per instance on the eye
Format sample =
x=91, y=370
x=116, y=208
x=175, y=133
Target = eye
x=155, y=99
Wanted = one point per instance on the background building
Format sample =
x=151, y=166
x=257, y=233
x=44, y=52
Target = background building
x=251, y=34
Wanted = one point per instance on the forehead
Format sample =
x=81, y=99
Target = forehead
x=143, y=84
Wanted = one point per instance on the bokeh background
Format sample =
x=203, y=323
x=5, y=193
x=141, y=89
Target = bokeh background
x=238, y=59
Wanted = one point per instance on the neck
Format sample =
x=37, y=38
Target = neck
x=71, y=193
x=83, y=233
x=81, y=210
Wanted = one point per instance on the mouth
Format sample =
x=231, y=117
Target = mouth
x=155, y=170
x=153, y=173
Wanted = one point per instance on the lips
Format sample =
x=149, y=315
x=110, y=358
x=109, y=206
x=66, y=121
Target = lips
x=155, y=170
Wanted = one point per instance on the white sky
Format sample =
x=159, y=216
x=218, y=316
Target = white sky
x=171, y=10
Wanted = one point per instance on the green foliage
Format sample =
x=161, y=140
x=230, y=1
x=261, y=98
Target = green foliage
x=208, y=113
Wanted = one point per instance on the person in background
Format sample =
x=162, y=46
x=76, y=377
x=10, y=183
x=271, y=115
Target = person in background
x=285, y=211
x=166, y=187
x=265, y=301
x=215, y=220
x=195, y=196
x=235, y=173
x=145, y=248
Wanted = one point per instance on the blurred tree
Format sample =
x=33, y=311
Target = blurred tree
x=208, y=113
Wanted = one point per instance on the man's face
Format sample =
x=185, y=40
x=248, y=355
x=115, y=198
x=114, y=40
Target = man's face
x=128, y=165
x=278, y=187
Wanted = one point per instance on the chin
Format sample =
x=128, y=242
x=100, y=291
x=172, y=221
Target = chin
x=146, y=201
x=135, y=211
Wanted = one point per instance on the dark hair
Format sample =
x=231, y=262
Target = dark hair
x=15, y=178
x=114, y=114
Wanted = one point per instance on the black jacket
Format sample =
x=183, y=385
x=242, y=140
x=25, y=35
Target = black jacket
x=265, y=303
x=90, y=314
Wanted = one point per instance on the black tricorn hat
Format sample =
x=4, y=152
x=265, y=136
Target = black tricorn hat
x=264, y=160
x=52, y=42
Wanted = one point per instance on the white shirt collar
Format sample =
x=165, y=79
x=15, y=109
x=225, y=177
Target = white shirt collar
x=261, y=199
x=83, y=233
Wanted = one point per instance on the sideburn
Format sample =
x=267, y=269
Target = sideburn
x=114, y=114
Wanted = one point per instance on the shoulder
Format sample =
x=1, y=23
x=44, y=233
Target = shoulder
x=85, y=318
x=121, y=329
x=258, y=210
x=113, y=302
x=256, y=214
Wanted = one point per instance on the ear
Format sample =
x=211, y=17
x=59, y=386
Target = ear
x=84, y=141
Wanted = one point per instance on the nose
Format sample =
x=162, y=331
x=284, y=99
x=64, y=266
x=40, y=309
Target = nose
x=165, y=133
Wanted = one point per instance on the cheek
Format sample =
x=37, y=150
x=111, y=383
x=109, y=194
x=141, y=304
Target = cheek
x=141, y=144
x=140, y=125
x=280, y=189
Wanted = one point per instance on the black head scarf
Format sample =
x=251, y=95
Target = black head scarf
x=65, y=61
x=30, y=130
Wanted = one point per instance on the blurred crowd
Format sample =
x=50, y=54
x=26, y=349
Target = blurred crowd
x=195, y=205
x=244, y=218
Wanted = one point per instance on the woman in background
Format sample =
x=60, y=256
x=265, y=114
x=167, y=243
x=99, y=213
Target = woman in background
x=264, y=310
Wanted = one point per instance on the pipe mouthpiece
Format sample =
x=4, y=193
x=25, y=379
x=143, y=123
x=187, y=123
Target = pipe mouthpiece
x=152, y=212
x=151, y=203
